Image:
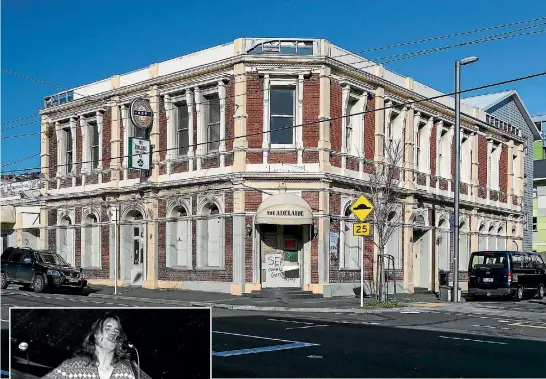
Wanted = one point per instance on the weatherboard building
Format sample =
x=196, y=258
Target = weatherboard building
x=236, y=200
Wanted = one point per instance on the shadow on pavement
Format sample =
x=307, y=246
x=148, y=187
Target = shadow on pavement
x=65, y=291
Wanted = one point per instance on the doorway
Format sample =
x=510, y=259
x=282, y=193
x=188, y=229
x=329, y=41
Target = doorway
x=133, y=249
x=281, y=249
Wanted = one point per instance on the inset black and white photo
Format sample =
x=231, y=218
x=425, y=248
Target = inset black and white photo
x=108, y=343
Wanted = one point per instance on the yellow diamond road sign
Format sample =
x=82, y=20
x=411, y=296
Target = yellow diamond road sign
x=362, y=208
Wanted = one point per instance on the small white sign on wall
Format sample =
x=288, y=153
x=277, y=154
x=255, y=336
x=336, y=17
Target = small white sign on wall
x=140, y=153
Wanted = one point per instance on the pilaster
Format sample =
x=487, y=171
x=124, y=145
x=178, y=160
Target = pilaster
x=324, y=143
x=153, y=95
x=240, y=142
x=407, y=242
x=379, y=125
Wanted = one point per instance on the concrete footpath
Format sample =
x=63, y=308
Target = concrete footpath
x=408, y=303
x=227, y=301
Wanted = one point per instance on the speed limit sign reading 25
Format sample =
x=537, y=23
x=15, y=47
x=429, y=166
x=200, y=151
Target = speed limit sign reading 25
x=361, y=229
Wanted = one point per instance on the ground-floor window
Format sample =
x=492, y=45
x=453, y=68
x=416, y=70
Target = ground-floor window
x=211, y=236
x=179, y=239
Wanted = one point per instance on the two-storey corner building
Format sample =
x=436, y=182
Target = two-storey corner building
x=505, y=110
x=260, y=147
x=20, y=211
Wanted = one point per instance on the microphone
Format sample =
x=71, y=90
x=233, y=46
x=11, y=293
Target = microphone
x=130, y=345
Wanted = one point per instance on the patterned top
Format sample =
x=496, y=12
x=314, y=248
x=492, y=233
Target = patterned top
x=78, y=368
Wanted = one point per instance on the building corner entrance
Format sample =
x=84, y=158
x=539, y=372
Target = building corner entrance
x=283, y=225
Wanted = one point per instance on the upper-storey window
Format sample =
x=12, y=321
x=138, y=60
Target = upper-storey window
x=212, y=121
x=182, y=129
x=95, y=143
x=68, y=150
x=283, y=47
x=282, y=115
x=60, y=98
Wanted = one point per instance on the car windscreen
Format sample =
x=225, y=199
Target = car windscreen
x=52, y=258
x=489, y=260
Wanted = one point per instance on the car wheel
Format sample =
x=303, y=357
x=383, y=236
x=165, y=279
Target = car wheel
x=540, y=291
x=4, y=281
x=38, y=284
x=519, y=294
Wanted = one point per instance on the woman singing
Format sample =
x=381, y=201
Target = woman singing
x=103, y=355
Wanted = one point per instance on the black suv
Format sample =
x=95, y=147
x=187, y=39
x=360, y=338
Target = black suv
x=39, y=269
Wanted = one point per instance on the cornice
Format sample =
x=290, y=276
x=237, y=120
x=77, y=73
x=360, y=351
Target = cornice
x=146, y=84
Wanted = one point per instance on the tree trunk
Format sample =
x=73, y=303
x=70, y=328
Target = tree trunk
x=381, y=276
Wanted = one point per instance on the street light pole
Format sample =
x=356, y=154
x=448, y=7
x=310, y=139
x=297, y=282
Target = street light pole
x=457, y=189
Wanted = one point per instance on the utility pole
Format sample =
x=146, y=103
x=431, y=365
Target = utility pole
x=117, y=250
x=457, y=189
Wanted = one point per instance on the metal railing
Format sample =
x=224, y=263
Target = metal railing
x=390, y=259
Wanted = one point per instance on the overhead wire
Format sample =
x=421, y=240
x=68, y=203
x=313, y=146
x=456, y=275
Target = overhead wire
x=402, y=104
x=398, y=57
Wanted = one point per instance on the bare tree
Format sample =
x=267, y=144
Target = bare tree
x=384, y=189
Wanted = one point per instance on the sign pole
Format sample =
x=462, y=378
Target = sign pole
x=362, y=276
x=361, y=208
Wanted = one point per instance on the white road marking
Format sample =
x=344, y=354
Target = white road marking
x=410, y=312
x=257, y=337
x=307, y=327
x=473, y=340
x=528, y=326
x=290, y=321
x=505, y=321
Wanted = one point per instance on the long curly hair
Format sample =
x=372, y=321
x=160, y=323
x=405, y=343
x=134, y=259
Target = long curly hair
x=88, y=348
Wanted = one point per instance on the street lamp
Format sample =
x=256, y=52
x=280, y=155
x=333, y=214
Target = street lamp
x=456, y=224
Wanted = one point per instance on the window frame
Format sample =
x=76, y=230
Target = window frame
x=94, y=148
x=178, y=105
x=207, y=124
x=68, y=149
x=284, y=83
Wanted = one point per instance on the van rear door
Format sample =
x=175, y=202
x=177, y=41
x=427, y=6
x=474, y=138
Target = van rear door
x=489, y=269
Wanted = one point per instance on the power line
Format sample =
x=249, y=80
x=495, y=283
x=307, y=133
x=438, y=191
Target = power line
x=418, y=53
x=326, y=119
x=21, y=160
x=411, y=55
x=443, y=37
x=404, y=56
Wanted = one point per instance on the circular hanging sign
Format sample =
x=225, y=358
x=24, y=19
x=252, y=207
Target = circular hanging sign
x=142, y=114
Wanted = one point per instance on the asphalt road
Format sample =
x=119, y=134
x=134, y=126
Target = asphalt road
x=388, y=344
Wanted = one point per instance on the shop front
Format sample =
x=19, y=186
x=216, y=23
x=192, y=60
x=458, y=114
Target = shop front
x=284, y=224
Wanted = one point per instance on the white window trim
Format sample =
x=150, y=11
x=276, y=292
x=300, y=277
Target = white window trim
x=362, y=100
x=85, y=243
x=62, y=168
x=202, y=117
x=494, y=153
x=202, y=202
x=466, y=158
x=171, y=108
x=189, y=251
x=297, y=134
x=87, y=133
x=342, y=224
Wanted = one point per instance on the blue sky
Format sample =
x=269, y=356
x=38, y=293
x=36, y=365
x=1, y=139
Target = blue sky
x=73, y=42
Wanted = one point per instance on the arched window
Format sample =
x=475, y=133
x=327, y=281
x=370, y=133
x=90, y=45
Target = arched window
x=179, y=242
x=482, y=238
x=350, y=245
x=443, y=244
x=501, y=239
x=464, y=247
x=492, y=238
x=90, y=243
x=394, y=243
x=65, y=240
x=211, y=240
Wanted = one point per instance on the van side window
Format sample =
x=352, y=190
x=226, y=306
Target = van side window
x=527, y=262
x=516, y=261
x=539, y=260
x=477, y=260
